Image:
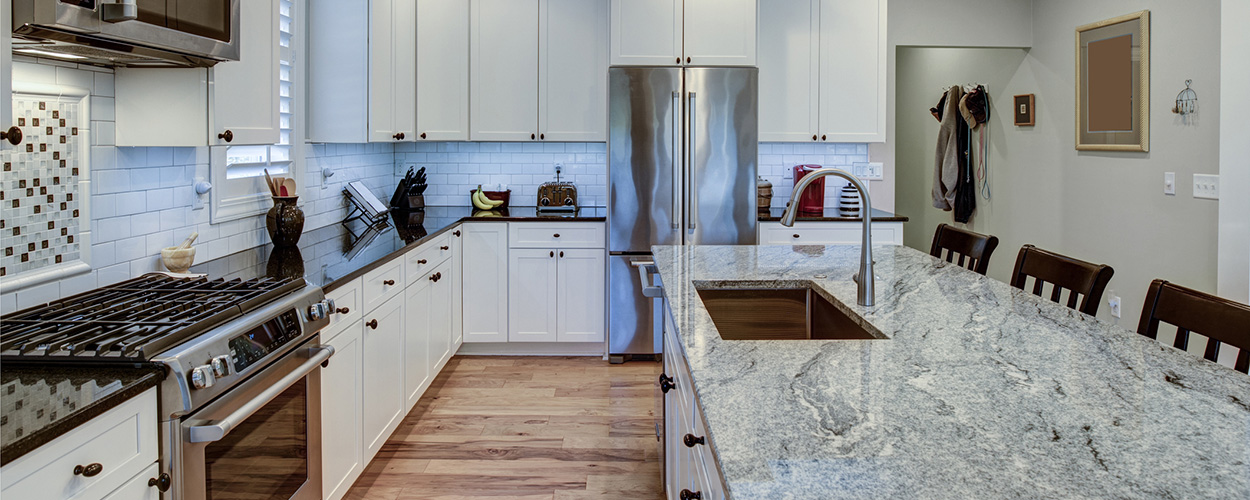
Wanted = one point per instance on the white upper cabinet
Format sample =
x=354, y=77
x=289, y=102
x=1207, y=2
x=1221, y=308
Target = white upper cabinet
x=236, y=100
x=392, y=70
x=789, y=70
x=504, y=60
x=646, y=32
x=442, y=70
x=573, y=70
x=683, y=32
x=822, y=70
x=244, y=94
x=6, y=69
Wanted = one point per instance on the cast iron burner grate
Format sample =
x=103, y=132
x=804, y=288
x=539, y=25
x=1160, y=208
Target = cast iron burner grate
x=135, y=319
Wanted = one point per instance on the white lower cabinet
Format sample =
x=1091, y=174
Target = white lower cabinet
x=417, y=340
x=532, y=295
x=689, y=462
x=485, y=282
x=582, y=287
x=556, y=295
x=829, y=233
x=383, y=367
x=342, y=381
x=138, y=488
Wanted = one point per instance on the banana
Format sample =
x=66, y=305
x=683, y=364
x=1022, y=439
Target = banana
x=477, y=200
x=493, y=203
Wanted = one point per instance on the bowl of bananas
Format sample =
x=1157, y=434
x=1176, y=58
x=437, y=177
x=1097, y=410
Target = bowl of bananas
x=489, y=200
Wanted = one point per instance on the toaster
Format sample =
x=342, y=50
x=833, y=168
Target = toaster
x=557, y=196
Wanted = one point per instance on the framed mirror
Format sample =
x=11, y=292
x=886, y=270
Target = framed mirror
x=1113, y=84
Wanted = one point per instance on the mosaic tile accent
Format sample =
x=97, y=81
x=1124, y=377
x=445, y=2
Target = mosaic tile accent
x=42, y=207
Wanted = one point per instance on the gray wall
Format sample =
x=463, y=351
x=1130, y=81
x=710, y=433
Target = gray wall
x=1098, y=206
x=1234, y=252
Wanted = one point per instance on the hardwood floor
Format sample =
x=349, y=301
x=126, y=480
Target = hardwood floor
x=528, y=428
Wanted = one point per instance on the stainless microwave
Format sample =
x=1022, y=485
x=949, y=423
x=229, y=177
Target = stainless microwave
x=129, y=33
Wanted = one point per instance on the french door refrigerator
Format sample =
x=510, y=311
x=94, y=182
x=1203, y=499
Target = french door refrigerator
x=682, y=151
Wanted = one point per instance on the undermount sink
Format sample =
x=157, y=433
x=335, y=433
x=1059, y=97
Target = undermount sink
x=797, y=313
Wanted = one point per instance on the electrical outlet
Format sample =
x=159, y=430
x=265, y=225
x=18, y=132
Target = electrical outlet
x=1207, y=186
x=1114, y=303
x=559, y=168
x=787, y=173
x=1169, y=183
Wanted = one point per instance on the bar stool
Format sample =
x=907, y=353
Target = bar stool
x=976, y=248
x=1080, y=278
x=1221, y=320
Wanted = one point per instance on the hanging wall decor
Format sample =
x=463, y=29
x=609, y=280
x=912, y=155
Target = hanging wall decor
x=1113, y=84
x=1023, y=110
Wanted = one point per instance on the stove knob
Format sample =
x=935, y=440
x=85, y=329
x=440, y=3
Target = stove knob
x=316, y=311
x=202, y=377
x=221, y=366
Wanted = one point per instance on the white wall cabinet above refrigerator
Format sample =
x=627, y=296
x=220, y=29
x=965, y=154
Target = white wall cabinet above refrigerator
x=232, y=103
x=822, y=70
x=388, y=71
x=539, y=70
x=684, y=32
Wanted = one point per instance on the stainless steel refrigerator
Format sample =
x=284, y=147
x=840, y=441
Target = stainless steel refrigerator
x=682, y=151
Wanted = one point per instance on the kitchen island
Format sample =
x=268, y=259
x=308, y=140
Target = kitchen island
x=978, y=390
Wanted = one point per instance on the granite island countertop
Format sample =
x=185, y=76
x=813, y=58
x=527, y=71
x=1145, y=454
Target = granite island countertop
x=980, y=391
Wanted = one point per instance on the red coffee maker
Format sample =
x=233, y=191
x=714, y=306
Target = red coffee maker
x=813, y=200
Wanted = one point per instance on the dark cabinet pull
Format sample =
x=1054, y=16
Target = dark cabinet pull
x=666, y=383
x=822, y=137
x=678, y=60
x=687, y=60
x=13, y=135
x=422, y=261
x=531, y=137
x=444, y=248
x=691, y=441
x=557, y=235
x=372, y=324
x=399, y=136
x=456, y=232
x=542, y=136
x=562, y=254
x=553, y=253
x=423, y=135
x=388, y=282
x=813, y=137
x=796, y=235
x=161, y=482
x=226, y=136
x=436, y=276
x=342, y=310
x=90, y=470
x=691, y=495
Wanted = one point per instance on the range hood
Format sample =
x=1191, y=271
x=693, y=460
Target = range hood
x=129, y=33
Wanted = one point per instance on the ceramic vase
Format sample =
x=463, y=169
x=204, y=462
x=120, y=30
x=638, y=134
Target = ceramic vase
x=848, y=202
x=285, y=221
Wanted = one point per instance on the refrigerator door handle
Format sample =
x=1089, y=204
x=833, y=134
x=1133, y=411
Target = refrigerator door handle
x=693, y=208
x=677, y=190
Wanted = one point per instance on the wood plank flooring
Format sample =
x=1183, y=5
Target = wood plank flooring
x=527, y=428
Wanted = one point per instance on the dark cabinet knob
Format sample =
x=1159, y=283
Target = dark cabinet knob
x=691, y=440
x=13, y=135
x=813, y=137
x=226, y=136
x=531, y=137
x=553, y=253
x=687, y=60
x=372, y=324
x=557, y=235
x=436, y=276
x=342, y=310
x=822, y=137
x=666, y=383
x=542, y=136
x=388, y=282
x=423, y=135
x=796, y=235
x=444, y=248
x=691, y=495
x=399, y=136
x=561, y=254
x=422, y=261
x=89, y=470
x=456, y=233
x=678, y=60
x=161, y=482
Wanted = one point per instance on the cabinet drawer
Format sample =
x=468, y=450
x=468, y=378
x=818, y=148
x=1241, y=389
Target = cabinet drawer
x=705, y=470
x=137, y=487
x=425, y=258
x=123, y=440
x=379, y=285
x=556, y=235
x=344, y=297
x=827, y=233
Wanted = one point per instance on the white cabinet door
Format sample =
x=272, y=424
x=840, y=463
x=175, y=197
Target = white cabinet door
x=532, y=295
x=337, y=65
x=392, y=70
x=573, y=70
x=720, y=32
x=454, y=275
x=342, y=382
x=789, y=63
x=485, y=279
x=504, y=58
x=646, y=32
x=243, y=94
x=440, y=316
x=852, y=42
x=442, y=62
x=6, y=70
x=417, y=339
x=383, y=345
x=137, y=488
x=582, y=289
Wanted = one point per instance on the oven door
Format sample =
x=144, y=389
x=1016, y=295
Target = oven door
x=262, y=439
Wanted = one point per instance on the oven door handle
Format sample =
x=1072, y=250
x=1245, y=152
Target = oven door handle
x=217, y=431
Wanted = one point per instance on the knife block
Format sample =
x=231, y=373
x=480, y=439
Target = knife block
x=410, y=202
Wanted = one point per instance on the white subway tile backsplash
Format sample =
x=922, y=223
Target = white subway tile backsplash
x=103, y=84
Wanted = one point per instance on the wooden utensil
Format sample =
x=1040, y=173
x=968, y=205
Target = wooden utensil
x=288, y=187
x=269, y=182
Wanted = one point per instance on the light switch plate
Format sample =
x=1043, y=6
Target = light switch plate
x=1169, y=183
x=868, y=171
x=1207, y=186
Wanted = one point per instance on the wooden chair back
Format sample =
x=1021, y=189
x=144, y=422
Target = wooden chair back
x=973, y=249
x=1084, y=281
x=1221, y=320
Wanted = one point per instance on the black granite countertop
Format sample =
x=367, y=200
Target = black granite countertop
x=831, y=215
x=40, y=402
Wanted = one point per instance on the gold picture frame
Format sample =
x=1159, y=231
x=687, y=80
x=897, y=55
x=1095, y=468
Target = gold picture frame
x=1113, y=84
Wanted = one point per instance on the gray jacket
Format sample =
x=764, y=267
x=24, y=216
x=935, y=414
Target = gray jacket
x=946, y=166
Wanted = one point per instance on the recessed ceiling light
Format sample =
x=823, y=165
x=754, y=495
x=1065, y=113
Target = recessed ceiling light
x=44, y=53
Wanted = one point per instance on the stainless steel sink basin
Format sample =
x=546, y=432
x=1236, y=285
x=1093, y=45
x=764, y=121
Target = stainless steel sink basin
x=778, y=314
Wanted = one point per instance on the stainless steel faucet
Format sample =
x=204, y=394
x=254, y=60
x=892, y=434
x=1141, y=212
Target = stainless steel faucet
x=864, y=294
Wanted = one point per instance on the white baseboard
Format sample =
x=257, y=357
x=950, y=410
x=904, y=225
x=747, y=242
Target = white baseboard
x=532, y=349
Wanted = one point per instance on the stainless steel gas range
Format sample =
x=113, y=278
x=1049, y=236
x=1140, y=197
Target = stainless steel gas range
x=240, y=406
